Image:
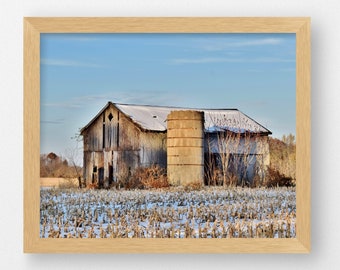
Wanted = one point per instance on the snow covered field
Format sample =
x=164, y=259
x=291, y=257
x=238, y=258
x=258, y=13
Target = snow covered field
x=174, y=213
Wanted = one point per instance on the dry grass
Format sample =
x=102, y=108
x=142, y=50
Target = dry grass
x=92, y=186
x=147, y=178
x=196, y=185
x=153, y=177
x=59, y=182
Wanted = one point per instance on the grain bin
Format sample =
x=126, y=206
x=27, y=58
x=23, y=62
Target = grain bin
x=185, y=147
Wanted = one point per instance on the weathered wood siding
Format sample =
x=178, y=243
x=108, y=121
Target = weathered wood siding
x=114, y=144
x=153, y=149
x=111, y=128
x=92, y=136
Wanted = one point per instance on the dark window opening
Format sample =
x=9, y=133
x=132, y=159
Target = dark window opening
x=110, y=117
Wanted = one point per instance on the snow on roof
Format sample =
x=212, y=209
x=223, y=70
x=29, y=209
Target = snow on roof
x=148, y=117
x=154, y=118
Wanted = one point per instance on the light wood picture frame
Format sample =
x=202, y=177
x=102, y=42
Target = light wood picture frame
x=34, y=26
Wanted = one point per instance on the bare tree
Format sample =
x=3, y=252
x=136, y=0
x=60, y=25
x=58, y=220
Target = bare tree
x=73, y=154
x=238, y=154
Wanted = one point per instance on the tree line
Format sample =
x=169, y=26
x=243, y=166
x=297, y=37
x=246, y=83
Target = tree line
x=52, y=165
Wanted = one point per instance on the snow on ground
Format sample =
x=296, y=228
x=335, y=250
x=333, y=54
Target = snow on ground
x=209, y=213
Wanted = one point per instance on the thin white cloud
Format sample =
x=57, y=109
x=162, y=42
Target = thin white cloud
x=78, y=102
x=66, y=105
x=53, y=122
x=207, y=60
x=288, y=70
x=68, y=63
x=81, y=38
x=213, y=43
x=129, y=97
x=150, y=97
x=220, y=45
x=259, y=42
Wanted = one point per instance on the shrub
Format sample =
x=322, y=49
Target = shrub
x=149, y=177
x=92, y=186
x=282, y=156
x=277, y=179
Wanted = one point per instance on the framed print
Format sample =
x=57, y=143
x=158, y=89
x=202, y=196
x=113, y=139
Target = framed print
x=167, y=135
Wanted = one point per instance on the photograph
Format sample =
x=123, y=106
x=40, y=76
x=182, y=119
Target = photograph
x=168, y=135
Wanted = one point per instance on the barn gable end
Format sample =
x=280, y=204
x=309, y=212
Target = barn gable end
x=114, y=146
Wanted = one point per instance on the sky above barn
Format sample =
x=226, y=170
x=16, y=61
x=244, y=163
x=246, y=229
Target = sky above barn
x=80, y=73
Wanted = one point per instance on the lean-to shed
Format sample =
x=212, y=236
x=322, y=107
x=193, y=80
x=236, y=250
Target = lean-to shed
x=123, y=137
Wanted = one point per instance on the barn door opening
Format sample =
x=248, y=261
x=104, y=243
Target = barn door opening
x=110, y=175
x=101, y=177
x=94, y=174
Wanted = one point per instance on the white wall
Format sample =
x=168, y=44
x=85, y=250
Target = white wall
x=325, y=143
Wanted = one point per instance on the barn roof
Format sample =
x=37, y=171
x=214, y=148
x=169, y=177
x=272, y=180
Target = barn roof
x=153, y=118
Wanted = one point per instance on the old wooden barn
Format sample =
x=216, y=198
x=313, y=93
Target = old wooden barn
x=211, y=145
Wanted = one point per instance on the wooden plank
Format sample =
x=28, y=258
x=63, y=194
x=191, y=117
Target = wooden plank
x=167, y=24
x=31, y=137
x=303, y=139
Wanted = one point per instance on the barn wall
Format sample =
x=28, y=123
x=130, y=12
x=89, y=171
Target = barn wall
x=153, y=149
x=92, y=136
x=129, y=134
x=115, y=146
x=111, y=122
x=111, y=144
x=245, y=156
x=215, y=143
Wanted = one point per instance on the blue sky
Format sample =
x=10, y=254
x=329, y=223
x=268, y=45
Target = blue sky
x=80, y=73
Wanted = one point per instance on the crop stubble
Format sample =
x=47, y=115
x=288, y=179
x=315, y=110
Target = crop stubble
x=215, y=212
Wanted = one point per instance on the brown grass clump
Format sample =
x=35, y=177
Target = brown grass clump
x=150, y=177
x=133, y=183
x=196, y=185
x=92, y=186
